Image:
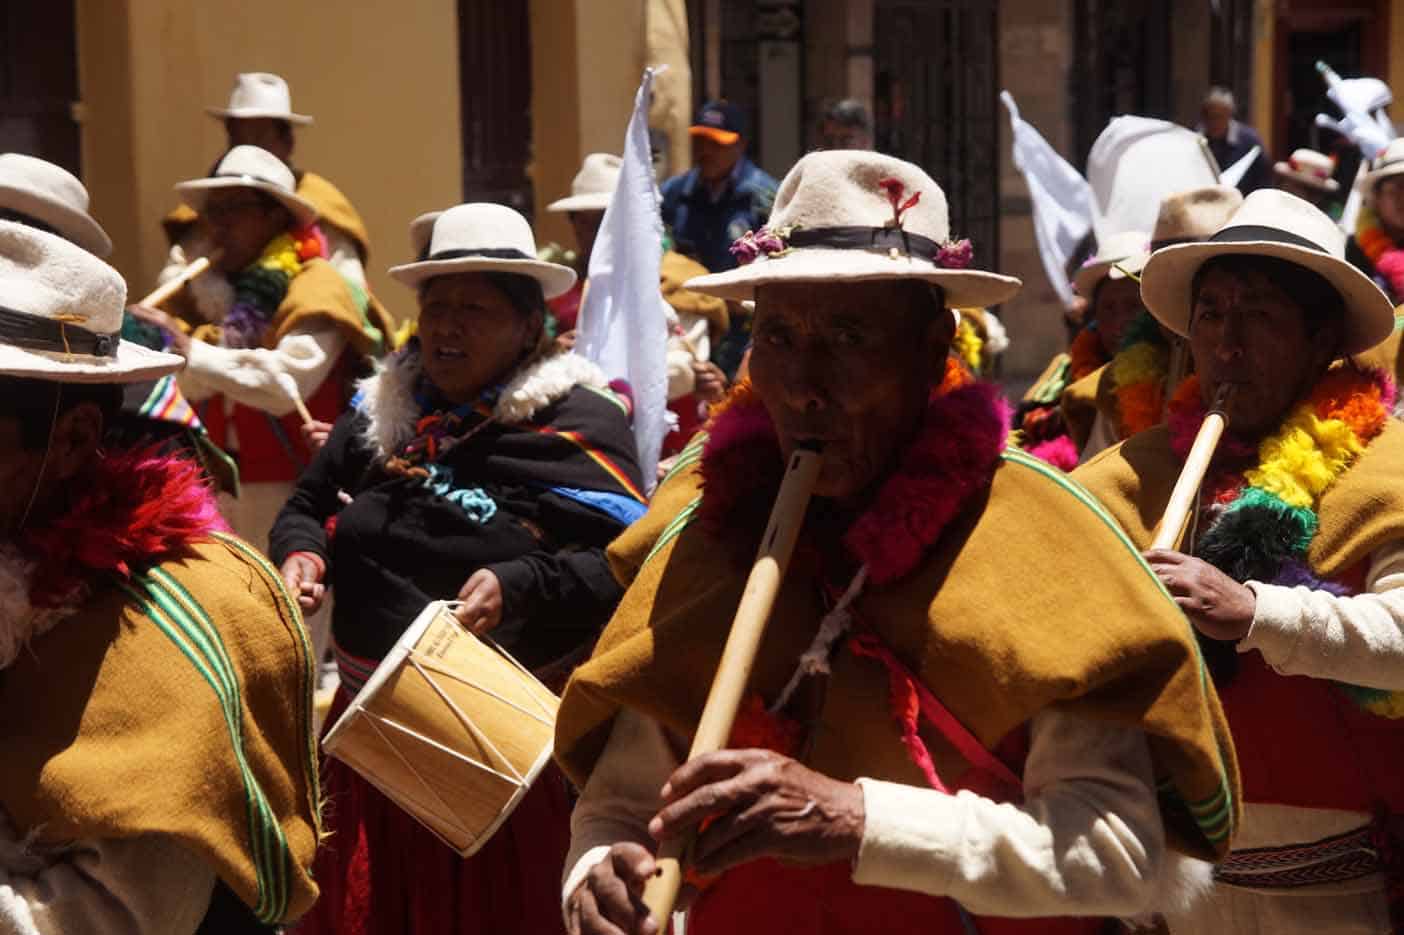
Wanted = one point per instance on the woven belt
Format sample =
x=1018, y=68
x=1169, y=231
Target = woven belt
x=355, y=671
x=1347, y=856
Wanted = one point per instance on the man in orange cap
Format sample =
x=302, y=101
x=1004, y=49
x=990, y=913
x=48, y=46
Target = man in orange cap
x=710, y=207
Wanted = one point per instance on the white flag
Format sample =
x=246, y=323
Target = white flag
x=1363, y=102
x=1135, y=163
x=624, y=320
x=1366, y=124
x=1061, y=199
x=1235, y=173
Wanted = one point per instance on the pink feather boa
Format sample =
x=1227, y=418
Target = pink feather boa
x=1059, y=452
x=953, y=458
x=136, y=508
x=1391, y=267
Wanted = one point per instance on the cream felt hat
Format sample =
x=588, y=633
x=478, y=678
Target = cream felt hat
x=61, y=314
x=420, y=230
x=1185, y=217
x=1310, y=168
x=1389, y=162
x=484, y=238
x=252, y=167
x=592, y=186
x=52, y=196
x=1271, y=223
x=259, y=94
x=1108, y=261
x=854, y=216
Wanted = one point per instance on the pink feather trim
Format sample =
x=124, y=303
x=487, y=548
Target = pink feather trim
x=137, y=508
x=953, y=457
x=1390, y=265
x=1059, y=452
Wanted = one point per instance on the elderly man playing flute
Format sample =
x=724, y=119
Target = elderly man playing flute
x=925, y=744
x=1291, y=563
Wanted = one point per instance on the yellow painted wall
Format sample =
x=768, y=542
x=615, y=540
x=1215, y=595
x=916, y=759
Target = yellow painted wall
x=587, y=59
x=1395, y=75
x=1264, y=61
x=381, y=80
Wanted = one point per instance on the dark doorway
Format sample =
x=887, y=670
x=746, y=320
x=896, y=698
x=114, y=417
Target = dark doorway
x=1306, y=91
x=39, y=81
x=935, y=103
x=1122, y=65
x=1348, y=35
x=494, y=54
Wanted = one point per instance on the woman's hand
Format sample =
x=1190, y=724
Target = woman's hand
x=315, y=435
x=761, y=804
x=609, y=900
x=179, y=340
x=303, y=576
x=481, y=596
x=1218, y=606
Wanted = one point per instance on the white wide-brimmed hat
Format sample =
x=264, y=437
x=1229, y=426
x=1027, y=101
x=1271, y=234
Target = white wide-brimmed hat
x=1185, y=217
x=52, y=196
x=252, y=167
x=61, y=314
x=421, y=229
x=1272, y=223
x=855, y=216
x=1110, y=260
x=592, y=186
x=484, y=238
x=259, y=94
x=1389, y=162
x=1310, y=168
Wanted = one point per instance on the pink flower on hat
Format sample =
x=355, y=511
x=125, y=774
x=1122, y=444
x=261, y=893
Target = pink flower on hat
x=955, y=254
x=752, y=244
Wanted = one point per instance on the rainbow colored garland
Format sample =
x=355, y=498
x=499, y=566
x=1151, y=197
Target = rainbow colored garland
x=1387, y=257
x=1264, y=519
x=262, y=285
x=1086, y=353
x=1138, y=374
x=968, y=345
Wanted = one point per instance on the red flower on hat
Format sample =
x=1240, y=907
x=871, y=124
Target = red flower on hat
x=895, y=190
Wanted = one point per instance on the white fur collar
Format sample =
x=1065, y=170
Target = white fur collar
x=20, y=621
x=387, y=396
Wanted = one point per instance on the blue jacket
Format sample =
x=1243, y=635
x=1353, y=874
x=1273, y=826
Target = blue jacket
x=705, y=228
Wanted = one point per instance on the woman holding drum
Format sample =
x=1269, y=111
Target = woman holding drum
x=479, y=464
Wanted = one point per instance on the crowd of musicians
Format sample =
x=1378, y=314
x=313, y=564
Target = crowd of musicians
x=983, y=703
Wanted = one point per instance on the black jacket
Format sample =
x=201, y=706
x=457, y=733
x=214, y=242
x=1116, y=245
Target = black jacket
x=399, y=544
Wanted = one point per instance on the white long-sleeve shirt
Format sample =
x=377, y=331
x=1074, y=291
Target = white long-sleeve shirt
x=1088, y=839
x=137, y=886
x=1358, y=640
x=251, y=375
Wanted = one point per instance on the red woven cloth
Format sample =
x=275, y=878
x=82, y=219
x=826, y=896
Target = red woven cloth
x=381, y=872
x=780, y=899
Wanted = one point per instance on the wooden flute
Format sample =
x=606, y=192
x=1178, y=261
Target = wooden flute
x=1186, y=489
x=739, y=656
